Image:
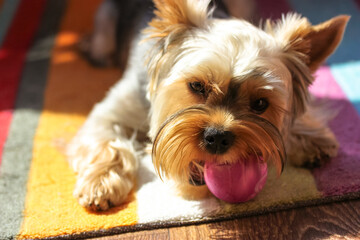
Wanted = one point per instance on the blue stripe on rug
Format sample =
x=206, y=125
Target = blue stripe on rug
x=322, y=10
x=347, y=76
x=7, y=13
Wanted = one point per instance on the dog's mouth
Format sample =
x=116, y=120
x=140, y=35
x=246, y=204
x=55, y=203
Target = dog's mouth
x=196, y=177
x=196, y=169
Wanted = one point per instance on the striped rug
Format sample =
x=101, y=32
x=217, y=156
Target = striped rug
x=47, y=89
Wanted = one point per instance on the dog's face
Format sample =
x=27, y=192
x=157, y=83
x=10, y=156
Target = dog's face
x=222, y=90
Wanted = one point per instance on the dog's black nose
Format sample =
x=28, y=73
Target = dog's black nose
x=218, y=141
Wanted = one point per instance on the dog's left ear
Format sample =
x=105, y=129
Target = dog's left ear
x=305, y=48
x=173, y=20
x=317, y=42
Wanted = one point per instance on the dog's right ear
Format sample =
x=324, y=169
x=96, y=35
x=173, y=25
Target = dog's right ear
x=315, y=42
x=176, y=16
x=173, y=20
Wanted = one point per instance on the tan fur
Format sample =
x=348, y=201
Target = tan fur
x=175, y=16
x=234, y=64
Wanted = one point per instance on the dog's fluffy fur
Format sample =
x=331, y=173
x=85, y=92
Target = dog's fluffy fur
x=202, y=73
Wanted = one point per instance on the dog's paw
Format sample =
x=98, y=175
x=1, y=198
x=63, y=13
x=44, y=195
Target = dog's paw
x=105, y=171
x=102, y=191
x=313, y=151
x=319, y=156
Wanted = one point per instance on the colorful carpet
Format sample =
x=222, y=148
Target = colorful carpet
x=47, y=89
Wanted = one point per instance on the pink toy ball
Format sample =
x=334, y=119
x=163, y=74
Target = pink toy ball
x=238, y=182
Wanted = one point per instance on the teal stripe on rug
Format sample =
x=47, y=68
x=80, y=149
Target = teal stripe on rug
x=322, y=10
x=7, y=13
x=347, y=75
x=18, y=148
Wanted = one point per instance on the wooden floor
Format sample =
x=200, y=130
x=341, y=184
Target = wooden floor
x=332, y=221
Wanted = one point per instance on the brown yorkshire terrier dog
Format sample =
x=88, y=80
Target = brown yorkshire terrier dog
x=206, y=89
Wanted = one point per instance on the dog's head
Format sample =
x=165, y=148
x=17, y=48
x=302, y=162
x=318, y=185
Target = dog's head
x=222, y=89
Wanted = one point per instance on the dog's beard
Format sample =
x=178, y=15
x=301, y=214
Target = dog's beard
x=179, y=152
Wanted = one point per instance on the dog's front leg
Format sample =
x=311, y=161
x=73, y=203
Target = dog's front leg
x=103, y=153
x=311, y=142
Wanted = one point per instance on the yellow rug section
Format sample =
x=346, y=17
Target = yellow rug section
x=72, y=88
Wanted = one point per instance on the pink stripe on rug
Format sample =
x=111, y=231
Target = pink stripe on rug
x=5, y=119
x=341, y=175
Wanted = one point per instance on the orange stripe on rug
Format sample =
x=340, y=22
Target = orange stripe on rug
x=72, y=88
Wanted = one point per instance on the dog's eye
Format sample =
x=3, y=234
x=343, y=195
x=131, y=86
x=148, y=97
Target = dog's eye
x=197, y=87
x=259, y=105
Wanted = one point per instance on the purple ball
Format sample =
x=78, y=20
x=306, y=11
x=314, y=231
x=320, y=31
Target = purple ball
x=237, y=182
